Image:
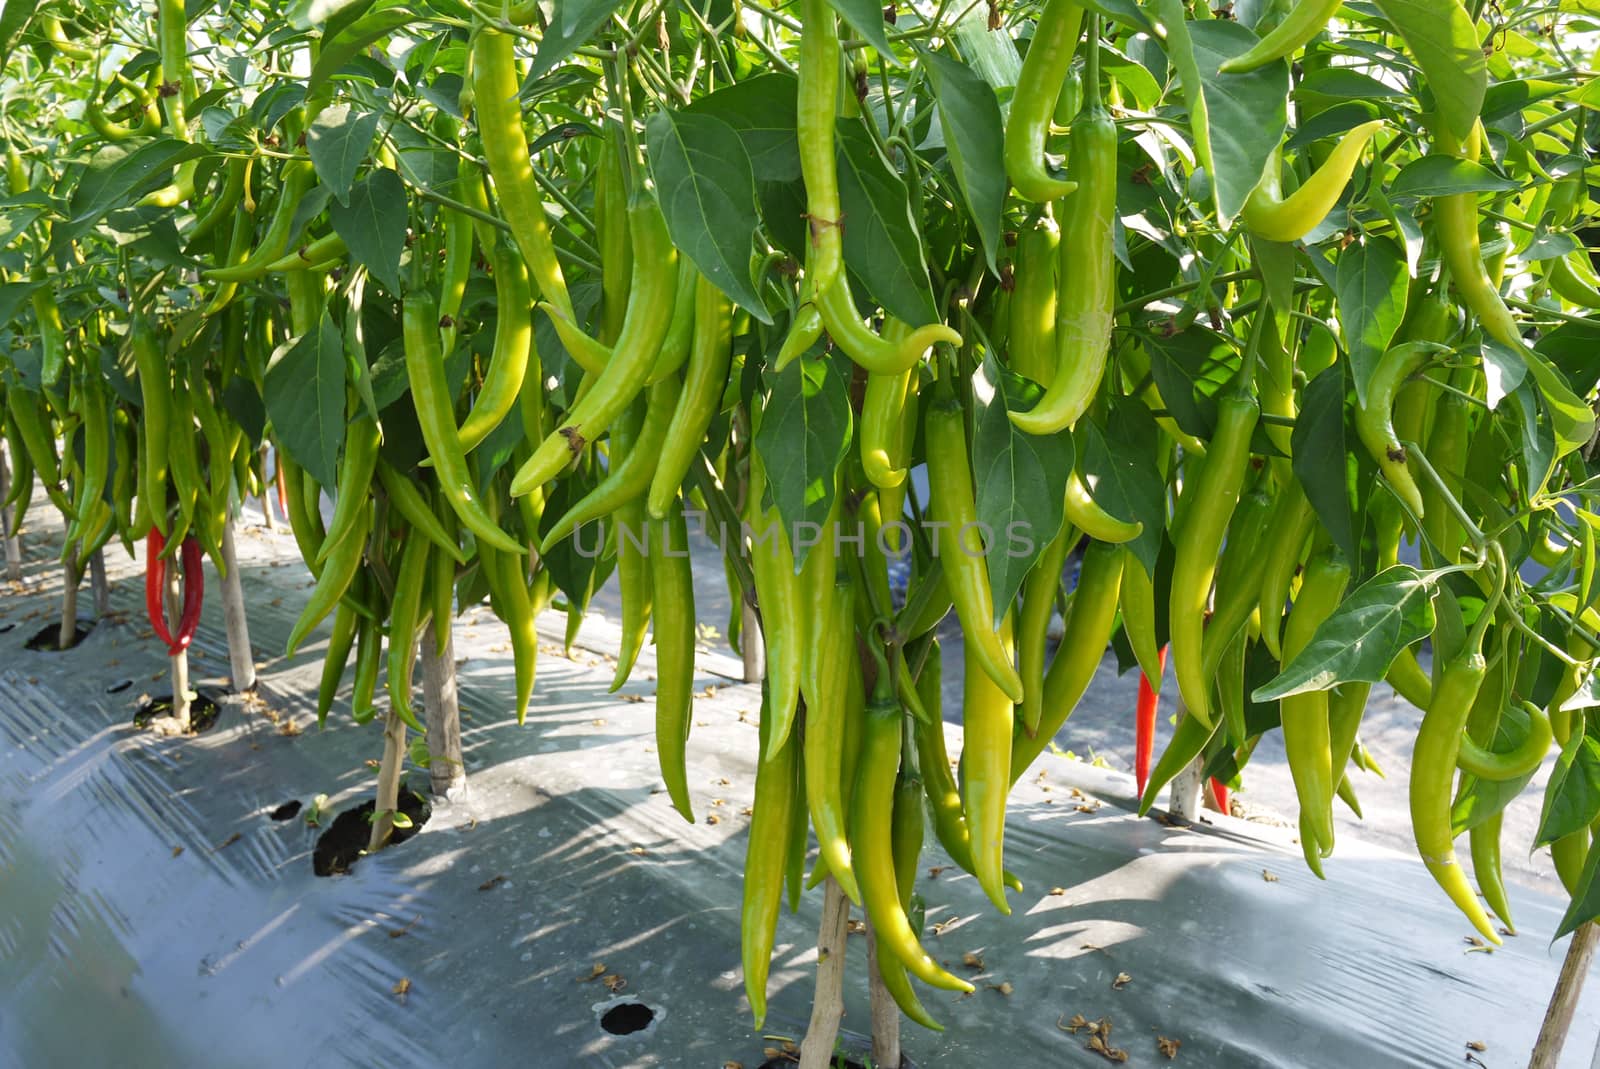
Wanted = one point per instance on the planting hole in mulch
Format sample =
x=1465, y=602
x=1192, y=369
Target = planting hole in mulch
x=287, y=810
x=347, y=838
x=203, y=713
x=626, y=1018
x=49, y=640
x=783, y=1061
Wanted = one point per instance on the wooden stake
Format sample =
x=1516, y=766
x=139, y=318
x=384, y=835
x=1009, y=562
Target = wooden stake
x=447, y=772
x=885, y=1013
x=179, y=660
x=241, y=658
x=753, y=649
x=99, y=583
x=1564, y=1001
x=827, y=1006
x=7, y=528
x=388, y=800
x=72, y=578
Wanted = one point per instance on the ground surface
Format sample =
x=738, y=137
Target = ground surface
x=156, y=914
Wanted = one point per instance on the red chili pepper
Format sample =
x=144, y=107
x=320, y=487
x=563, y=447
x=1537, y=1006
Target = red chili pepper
x=194, y=591
x=283, y=505
x=1219, y=794
x=155, y=584
x=1144, y=723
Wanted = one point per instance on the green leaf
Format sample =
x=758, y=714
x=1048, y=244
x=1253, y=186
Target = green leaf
x=117, y=177
x=1442, y=39
x=1189, y=368
x=1538, y=440
x=337, y=144
x=1246, y=114
x=708, y=198
x=1571, y=420
x=973, y=129
x=304, y=14
x=1021, y=480
x=374, y=224
x=1439, y=176
x=13, y=17
x=881, y=241
x=575, y=22
x=866, y=18
x=1127, y=12
x=1343, y=82
x=1503, y=370
x=1118, y=465
x=305, y=397
x=1585, y=904
x=762, y=111
x=1359, y=642
x=1572, y=797
x=350, y=40
x=420, y=755
x=1371, y=283
x=1317, y=444
x=803, y=436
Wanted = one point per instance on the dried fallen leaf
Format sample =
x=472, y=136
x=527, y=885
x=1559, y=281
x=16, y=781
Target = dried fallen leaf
x=1058, y=891
x=492, y=882
x=1106, y=1050
x=396, y=933
x=594, y=974
x=722, y=781
x=1076, y=1025
x=938, y=927
x=1004, y=987
x=855, y=927
x=1268, y=877
x=733, y=1065
x=1086, y=808
x=1478, y=1045
x=176, y=850
x=712, y=818
x=972, y=960
x=1122, y=981
x=1168, y=1047
x=614, y=983
x=402, y=988
x=229, y=841
x=718, y=801
x=289, y=728
x=933, y=871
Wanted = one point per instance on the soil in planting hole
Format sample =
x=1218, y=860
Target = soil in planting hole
x=346, y=839
x=287, y=810
x=627, y=1018
x=203, y=713
x=783, y=1061
x=49, y=640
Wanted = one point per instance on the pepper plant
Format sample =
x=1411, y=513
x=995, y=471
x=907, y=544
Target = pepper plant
x=1278, y=315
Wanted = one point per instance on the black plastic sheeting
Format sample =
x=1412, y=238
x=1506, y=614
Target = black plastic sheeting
x=153, y=913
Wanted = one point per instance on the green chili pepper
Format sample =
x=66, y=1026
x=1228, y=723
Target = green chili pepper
x=952, y=506
x=766, y=862
x=1207, y=505
x=778, y=598
x=987, y=716
x=346, y=623
x=871, y=827
x=408, y=500
x=1306, y=732
x=1044, y=71
x=1087, y=269
x=649, y=313
x=496, y=95
x=674, y=628
x=1269, y=214
x=1031, y=333
x=354, y=485
x=710, y=352
x=1040, y=591
x=338, y=572
x=1433, y=767
x=1305, y=21
x=513, y=345
x=1089, y=625
x=817, y=109
x=829, y=662
x=436, y=417
x=405, y=621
